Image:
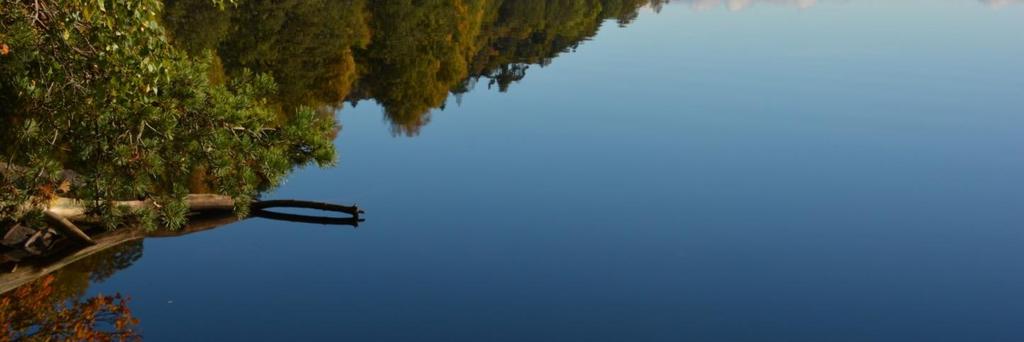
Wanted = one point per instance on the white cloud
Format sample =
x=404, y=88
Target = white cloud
x=1001, y=3
x=739, y=5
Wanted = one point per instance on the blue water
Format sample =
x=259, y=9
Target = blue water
x=839, y=171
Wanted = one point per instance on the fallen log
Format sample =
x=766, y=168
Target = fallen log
x=64, y=214
x=76, y=210
x=346, y=221
x=25, y=272
x=67, y=228
x=264, y=205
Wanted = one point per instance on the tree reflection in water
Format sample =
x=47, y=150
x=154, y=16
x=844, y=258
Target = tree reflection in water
x=48, y=297
x=56, y=307
x=407, y=56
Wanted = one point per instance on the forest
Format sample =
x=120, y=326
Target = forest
x=409, y=56
x=153, y=100
x=108, y=102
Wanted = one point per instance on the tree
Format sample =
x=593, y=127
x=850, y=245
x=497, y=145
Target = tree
x=96, y=87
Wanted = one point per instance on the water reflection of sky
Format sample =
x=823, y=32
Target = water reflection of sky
x=738, y=5
x=773, y=176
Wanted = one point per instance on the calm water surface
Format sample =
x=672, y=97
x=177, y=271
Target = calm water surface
x=712, y=171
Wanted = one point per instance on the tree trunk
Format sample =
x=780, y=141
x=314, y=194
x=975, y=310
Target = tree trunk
x=75, y=210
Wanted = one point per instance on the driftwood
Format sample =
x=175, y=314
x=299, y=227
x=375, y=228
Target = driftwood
x=29, y=271
x=262, y=205
x=325, y=220
x=67, y=228
x=63, y=213
x=76, y=210
x=207, y=211
x=259, y=209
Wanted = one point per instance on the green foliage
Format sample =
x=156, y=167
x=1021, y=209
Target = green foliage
x=417, y=55
x=95, y=87
x=236, y=93
x=406, y=55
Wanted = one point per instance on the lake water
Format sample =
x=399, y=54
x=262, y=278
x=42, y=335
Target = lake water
x=710, y=171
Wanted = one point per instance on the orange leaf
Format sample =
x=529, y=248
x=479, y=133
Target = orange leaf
x=46, y=192
x=65, y=186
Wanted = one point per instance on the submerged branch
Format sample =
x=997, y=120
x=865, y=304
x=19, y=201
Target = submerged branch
x=351, y=210
x=210, y=217
x=325, y=220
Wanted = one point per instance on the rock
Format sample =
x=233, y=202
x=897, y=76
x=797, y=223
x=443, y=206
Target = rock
x=17, y=235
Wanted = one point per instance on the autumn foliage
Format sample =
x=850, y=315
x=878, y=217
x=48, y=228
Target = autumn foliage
x=33, y=313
